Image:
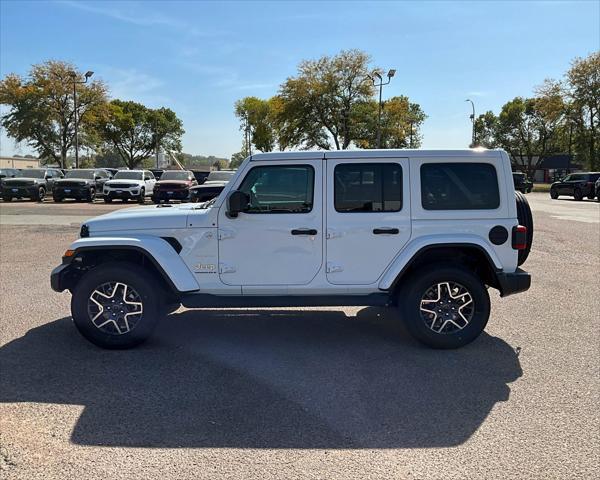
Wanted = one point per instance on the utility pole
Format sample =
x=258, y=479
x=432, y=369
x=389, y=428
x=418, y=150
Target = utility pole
x=88, y=74
x=390, y=74
x=472, y=117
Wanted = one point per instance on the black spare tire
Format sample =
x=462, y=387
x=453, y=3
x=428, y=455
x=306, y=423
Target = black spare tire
x=526, y=219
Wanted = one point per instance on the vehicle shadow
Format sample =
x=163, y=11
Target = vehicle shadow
x=264, y=379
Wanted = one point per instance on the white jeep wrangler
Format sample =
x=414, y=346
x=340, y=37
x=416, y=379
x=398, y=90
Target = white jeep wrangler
x=425, y=232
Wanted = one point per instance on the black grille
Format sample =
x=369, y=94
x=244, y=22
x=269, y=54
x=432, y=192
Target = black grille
x=70, y=184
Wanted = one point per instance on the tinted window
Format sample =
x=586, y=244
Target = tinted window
x=459, y=186
x=368, y=187
x=175, y=175
x=128, y=175
x=594, y=177
x=280, y=189
x=577, y=177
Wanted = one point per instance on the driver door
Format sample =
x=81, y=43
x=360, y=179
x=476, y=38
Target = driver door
x=278, y=241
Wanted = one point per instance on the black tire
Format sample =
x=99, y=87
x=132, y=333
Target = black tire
x=107, y=199
x=40, y=195
x=591, y=196
x=7, y=198
x=425, y=280
x=142, y=286
x=523, y=191
x=91, y=195
x=57, y=199
x=526, y=219
x=142, y=197
x=553, y=194
x=156, y=201
x=577, y=194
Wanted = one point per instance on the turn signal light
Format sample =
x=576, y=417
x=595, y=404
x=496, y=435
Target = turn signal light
x=69, y=253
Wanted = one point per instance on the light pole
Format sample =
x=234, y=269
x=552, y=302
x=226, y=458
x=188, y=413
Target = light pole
x=472, y=117
x=390, y=74
x=87, y=75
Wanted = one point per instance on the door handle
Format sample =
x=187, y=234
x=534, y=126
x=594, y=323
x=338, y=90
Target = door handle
x=304, y=231
x=384, y=231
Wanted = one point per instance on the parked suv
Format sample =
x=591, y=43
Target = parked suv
x=80, y=184
x=577, y=185
x=422, y=232
x=212, y=187
x=32, y=183
x=129, y=185
x=174, y=185
x=522, y=183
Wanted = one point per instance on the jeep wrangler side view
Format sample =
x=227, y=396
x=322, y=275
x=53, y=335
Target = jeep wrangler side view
x=424, y=232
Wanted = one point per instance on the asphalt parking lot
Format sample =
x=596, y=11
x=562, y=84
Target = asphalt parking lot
x=302, y=393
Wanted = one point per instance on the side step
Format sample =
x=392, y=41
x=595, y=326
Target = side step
x=204, y=300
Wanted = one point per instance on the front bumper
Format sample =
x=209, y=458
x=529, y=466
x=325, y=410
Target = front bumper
x=61, y=276
x=122, y=193
x=516, y=282
x=182, y=194
x=71, y=192
x=19, y=191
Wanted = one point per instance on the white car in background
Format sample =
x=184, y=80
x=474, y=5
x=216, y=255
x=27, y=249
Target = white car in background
x=130, y=185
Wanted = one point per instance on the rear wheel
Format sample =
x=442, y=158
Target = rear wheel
x=526, y=219
x=7, y=198
x=577, y=194
x=116, y=305
x=444, y=306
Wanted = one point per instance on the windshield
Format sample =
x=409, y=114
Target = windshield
x=86, y=174
x=175, y=175
x=128, y=175
x=33, y=173
x=223, y=176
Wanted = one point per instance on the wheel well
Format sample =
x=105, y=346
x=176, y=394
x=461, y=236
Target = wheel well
x=87, y=259
x=470, y=256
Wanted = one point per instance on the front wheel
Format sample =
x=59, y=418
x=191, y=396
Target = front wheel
x=444, y=306
x=553, y=194
x=116, y=306
x=40, y=195
x=142, y=197
x=91, y=195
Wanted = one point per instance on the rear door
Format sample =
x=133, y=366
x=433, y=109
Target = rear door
x=367, y=215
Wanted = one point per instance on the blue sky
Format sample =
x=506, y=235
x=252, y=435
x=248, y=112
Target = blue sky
x=198, y=58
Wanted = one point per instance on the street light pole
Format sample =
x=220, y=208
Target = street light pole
x=472, y=117
x=390, y=74
x=87, y=75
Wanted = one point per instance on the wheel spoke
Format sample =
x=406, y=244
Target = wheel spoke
x=115, y=308
x=446, y=307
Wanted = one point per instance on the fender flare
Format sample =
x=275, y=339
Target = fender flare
x=159, y=251
x=419, y=245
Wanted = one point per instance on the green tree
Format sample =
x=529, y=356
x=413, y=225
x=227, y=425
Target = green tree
x=583, y=95
x=135, y=131
x=237, y=159
x=41, y=109
x=401, y=122
x=255, y=118
x=317, y=105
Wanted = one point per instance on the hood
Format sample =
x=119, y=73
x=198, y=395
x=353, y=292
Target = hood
x=74, y=181
x=215, y=183
x=142, y=218
x=21, y=181
x=181, y=183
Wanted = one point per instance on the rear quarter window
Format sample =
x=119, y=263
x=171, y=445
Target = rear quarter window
x=459, y=186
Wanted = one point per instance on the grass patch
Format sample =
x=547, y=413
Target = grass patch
x=541, y=187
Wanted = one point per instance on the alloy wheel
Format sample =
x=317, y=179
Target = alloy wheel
x=447, y=307
x=115, y=308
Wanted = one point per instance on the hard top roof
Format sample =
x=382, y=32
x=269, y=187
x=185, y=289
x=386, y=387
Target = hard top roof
x=350, y=154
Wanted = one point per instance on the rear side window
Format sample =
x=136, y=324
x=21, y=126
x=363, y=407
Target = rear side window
x=459, y=186
x=280, y=189
x=368, y=187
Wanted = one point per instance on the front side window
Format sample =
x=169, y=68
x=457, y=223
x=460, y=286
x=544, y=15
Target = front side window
x=280, y=189
x=459, y=186
x=368, y=187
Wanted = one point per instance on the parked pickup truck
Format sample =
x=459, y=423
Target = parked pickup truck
x=423, y=232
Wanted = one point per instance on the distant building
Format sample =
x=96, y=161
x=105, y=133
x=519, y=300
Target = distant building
x=19, y=162
x=550, y=168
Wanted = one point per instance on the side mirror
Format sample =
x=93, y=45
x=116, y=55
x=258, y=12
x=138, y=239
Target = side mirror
x=237, y=201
